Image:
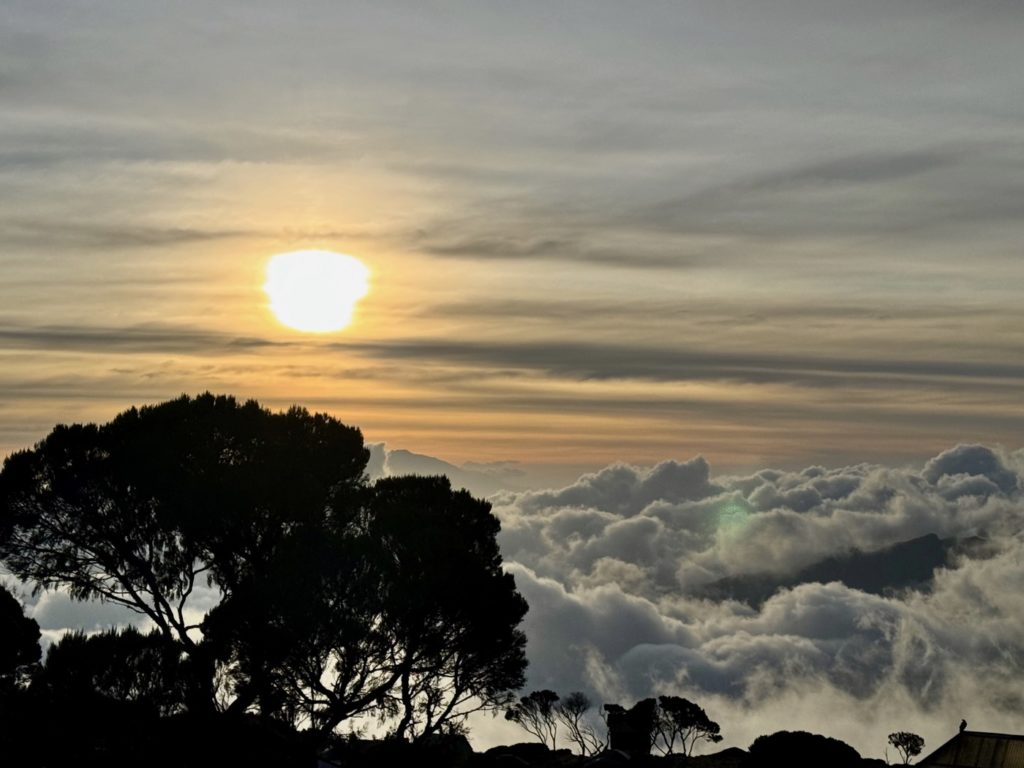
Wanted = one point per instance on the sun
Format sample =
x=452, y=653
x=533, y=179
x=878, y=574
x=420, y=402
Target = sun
x=315, y=291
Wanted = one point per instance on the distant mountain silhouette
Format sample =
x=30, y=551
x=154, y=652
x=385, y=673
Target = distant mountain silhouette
x=385, y=461
x=905, y=565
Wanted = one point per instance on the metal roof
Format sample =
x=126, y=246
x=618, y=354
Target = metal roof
x=975, y=749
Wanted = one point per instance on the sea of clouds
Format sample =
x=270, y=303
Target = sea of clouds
x=615, y=568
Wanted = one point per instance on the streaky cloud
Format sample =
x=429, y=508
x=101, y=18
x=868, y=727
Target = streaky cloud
x=597, y=360
x=137, y=338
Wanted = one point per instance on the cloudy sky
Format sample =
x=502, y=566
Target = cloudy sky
x=772, y=235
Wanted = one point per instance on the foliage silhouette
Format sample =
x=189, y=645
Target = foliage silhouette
x=909, y=745
x=429, y=631
x=338, y=598
x=682, y=721
x=571, y=713
x=800, y=748
x=454, y=611
x=632, y=731
x=118, y=665
x=19, y=643
x=134, y=511
x=537, y=713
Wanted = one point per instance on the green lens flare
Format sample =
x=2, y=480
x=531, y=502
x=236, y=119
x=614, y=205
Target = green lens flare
x=732, y=517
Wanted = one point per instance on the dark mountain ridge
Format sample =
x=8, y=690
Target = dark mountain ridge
x=905, y=565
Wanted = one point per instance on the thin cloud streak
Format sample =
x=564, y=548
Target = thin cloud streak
x=124, y=340
x=581, y=360
x=565, y=359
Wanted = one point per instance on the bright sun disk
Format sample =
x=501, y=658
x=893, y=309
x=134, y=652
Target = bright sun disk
x=315, y=291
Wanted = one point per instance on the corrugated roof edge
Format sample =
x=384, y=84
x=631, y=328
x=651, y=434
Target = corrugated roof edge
x=937, y=750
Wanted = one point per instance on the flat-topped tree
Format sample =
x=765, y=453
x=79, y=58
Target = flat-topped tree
x=135, y=511
x=338, y=597
x=632, y=730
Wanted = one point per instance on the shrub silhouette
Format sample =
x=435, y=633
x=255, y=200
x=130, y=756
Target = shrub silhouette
x=799, y=748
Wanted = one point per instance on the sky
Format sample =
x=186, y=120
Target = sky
x=603, y=238
x=772, y=234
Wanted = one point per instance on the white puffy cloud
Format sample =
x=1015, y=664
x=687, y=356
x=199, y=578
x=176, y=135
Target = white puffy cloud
x=615, y=566
x=55, y=610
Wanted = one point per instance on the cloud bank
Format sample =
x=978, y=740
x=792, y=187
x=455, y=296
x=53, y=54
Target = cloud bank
x=617, y=567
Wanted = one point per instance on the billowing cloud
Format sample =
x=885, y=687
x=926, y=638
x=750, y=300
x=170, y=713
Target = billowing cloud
x=616, y=568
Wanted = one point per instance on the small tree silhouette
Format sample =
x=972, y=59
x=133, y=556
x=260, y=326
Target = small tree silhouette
x=571, y=712
x=681, y=720
x=537, y=713
x=908, y=744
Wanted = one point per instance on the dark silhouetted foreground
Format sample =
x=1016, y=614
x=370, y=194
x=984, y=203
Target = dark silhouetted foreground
x=335, y=603
x=337, y=598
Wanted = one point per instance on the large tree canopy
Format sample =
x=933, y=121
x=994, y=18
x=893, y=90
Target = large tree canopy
x=338, y=597
x=134, y=511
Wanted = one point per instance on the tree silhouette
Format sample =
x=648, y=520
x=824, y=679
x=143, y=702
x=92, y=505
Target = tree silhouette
x=909, y=745
x=571, y=712
x=680, y=720
x=338, y=598
x=134, y=511
x=429, y=634
x=537, y=713
x=19, y=643
x=309, y=612
x=118, y=665
x=453, y=627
